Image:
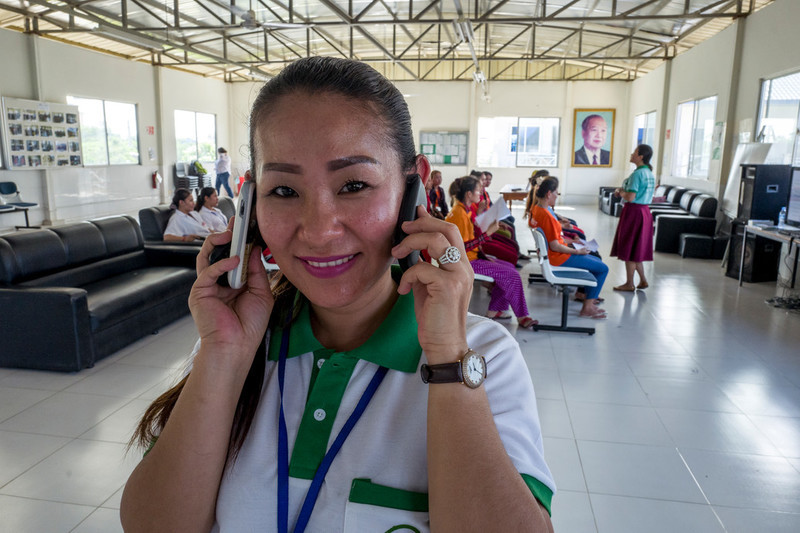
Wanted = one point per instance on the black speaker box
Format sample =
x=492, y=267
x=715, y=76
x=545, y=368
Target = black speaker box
x=761, y=257
x=763, y=190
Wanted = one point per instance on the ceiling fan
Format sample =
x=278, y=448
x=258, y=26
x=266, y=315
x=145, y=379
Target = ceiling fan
x=249, y=20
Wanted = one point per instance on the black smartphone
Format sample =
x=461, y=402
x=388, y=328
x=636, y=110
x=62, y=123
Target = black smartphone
x=413, y=196
x=245, y=236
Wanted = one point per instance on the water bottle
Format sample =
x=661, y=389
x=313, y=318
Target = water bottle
x=782, y=217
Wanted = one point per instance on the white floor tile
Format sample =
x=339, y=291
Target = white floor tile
x=29, y=515
x=554, y=418
x=621, y=514
x=631, y=469
x=746, y=481
x=20, y=451
x=724, y=432
x=82, y=472
x=100, y=521
x=562, y=458
x=120, y=427
x=694, y=394
x=605, y=388
x=64, y=414
x=749, y=520
x=15, y=400
x=617, y=423
x=572, y=512
x=123, y=380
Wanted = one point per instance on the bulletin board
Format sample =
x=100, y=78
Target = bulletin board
x=444, y=147
x=39, y=135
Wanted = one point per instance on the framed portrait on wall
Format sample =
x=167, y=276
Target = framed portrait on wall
x=593, y=138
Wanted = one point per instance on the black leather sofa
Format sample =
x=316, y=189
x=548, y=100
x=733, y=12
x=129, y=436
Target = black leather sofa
x=700, y=219
x=608, y=202
x=74, y=294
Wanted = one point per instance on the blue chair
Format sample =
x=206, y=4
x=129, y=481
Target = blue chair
x=564, y=278
x=10, y=197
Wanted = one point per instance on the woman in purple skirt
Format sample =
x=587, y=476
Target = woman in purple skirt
x=633, y=242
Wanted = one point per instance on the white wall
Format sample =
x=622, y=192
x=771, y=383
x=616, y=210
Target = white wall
x=74, y=194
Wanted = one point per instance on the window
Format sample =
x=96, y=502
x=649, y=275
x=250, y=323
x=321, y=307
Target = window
x=779, y=118
x=644, y=129
x=108, y=131
x=195, y=136
x=694, y=126
x=508, y=142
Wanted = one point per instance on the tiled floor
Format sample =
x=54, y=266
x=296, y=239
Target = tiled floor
x=682, y=413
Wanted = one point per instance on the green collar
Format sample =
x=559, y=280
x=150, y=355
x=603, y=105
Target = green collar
x=394, y=344
x=642, y=166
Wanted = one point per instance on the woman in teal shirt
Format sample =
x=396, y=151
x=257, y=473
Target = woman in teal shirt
x=633, y=242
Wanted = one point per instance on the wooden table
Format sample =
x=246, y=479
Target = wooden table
x=513, y=192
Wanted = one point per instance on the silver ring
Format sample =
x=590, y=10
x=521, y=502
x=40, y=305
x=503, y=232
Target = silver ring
x=450, y=255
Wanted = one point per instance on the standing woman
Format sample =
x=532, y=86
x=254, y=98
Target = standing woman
x=304, y=404
x=222, y=166
x=206, y=205
x=185, y=224
x=507, y=288
x=633, y=242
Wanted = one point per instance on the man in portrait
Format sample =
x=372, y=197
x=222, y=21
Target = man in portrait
x=594, y=130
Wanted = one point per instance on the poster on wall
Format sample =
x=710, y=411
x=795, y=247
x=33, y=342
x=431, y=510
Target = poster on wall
x=40, y=135
x=593, y=138
x=444, y=147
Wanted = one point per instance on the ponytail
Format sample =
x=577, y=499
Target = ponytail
x=461, y=186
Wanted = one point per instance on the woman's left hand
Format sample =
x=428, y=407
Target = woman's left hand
x=441, y=295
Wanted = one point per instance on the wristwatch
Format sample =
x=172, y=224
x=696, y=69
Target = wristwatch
x=470, y=370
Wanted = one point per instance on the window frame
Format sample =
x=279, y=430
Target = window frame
x=692, y=157
x=196, y=136
x=794, y=142
x=103, y=102
x=514, y=140
x=636, y=141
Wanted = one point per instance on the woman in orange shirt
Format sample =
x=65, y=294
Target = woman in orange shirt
x=507, y=288
x=562, y=255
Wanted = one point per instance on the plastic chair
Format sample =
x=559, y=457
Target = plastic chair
x=10, y=196
x=564, y=278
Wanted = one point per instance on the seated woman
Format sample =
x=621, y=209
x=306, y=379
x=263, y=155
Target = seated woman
x=569, y=227
x=185, y=224
x=507, y=288
x=561, y=254
x=206, y=205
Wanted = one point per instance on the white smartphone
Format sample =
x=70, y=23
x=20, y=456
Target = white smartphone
x=245, y=234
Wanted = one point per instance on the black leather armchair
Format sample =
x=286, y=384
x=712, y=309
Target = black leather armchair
x=701, y=219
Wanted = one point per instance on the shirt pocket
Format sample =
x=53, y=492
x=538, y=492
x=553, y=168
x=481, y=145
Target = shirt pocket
x=373, y=508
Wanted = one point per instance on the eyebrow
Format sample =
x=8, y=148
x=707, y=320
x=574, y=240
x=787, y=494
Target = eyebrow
x=336, y=164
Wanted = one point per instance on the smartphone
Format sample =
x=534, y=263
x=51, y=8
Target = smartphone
x=413, y=196
x=245, y=236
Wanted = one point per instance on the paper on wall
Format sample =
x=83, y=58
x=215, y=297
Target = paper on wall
x=498, y=211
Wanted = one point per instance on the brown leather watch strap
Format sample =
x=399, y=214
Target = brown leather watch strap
x=443, y=373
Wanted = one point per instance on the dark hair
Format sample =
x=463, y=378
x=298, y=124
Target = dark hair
x=312, y=75
x=179, y=196
x=585, y=123
x=205, y=192
x=549, y=184
x=475, y=173
x=222, y=150
x=646, y=151
x=488, y=173
x=529, y=200
x=346, y=77
x=461, y=186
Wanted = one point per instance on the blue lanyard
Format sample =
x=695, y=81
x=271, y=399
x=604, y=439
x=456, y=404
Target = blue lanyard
x=283, y=447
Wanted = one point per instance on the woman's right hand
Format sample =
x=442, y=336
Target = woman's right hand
x=231, y=322
x=582, y=251
x=493, y=227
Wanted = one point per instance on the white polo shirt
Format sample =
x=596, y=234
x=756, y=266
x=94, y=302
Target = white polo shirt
x=214, y=219
x=182, y=224
x=378, y=481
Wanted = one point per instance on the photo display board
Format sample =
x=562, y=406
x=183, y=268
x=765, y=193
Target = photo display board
x=444, y=147
x=40, y=135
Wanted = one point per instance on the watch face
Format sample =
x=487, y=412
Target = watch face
x=474, y=370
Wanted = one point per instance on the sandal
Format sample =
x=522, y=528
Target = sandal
x=499, y=315
x=527, y=322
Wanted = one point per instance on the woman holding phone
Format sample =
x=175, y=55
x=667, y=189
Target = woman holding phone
x=304, y=405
